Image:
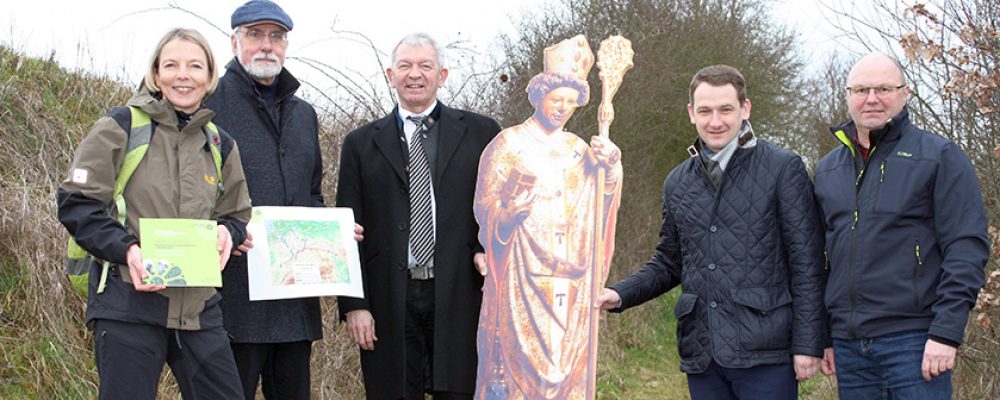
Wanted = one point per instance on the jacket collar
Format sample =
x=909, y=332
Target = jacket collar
x=287, y=84
x=891, y=132
x=163, y=112
x=434, y=114
x=744, y=139
x=452, y=128
x=389, y=139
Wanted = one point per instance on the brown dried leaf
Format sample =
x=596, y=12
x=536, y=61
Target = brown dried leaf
x=910, y=44
x=921, y=10
x=931, y=52
x=983, y=320
x=968, y=34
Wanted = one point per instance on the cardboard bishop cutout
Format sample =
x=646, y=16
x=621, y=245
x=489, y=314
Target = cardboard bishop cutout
x=546, y=203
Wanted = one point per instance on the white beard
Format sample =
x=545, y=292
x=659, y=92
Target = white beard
x=259, y=70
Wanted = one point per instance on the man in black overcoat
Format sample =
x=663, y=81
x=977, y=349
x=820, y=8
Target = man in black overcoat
x=416, y=326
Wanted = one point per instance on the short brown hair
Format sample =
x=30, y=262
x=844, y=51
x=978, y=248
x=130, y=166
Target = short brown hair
x=719, y=75
x=192, y=36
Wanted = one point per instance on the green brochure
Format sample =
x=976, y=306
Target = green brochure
x=180, y=252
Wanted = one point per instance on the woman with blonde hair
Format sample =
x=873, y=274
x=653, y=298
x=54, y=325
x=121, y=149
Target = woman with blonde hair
x=186, y=168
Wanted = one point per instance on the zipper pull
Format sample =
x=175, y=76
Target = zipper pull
x=882, y=179
x=917, y=251
x=855, y=224
x=857, y=181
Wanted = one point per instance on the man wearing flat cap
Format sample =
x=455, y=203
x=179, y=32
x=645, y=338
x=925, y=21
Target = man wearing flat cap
x=256, y=103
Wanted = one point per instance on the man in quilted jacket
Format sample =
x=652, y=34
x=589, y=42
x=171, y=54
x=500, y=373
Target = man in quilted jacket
x=742, y=236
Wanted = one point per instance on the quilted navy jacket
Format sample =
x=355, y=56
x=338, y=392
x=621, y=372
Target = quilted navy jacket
x=748, y=257
x=906, y=240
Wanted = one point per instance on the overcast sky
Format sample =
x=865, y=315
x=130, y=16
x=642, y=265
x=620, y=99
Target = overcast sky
x=117, y=36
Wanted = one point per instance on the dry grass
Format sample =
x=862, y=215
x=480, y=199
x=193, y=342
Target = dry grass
x=46, y=347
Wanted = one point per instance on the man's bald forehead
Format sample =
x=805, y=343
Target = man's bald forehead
x=877, y=61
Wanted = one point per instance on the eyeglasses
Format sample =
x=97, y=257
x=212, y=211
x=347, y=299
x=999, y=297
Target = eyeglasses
x=880, y=91
x=257, y=36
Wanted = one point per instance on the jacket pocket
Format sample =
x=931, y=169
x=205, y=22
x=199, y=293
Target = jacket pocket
x=764, y=317
x=903, y=186
x=687, y=326
x=878, y=185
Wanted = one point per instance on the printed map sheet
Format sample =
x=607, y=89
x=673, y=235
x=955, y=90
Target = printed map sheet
x=303, y=252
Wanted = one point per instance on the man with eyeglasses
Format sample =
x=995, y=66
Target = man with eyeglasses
x=906, y=244
x=257, y=105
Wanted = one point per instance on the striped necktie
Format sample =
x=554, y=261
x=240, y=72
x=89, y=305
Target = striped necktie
x=421, y=225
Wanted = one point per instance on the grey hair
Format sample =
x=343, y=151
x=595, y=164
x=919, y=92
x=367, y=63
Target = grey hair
x=421, y=39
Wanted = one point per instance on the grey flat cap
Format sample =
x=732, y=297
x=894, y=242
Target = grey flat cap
x=260, y=11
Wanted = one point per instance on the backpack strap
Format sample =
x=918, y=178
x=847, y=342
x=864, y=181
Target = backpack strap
x=214, y=140
x=138, y=127
x=140, y=133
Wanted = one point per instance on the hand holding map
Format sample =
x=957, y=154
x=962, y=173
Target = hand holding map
x=303, y=252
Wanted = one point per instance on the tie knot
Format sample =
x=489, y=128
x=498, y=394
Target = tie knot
x=419, y=120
